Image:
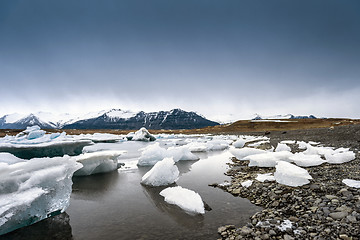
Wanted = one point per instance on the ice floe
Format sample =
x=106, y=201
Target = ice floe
x=162, y=173
x=291, y=175
x=186, y=199
x=98, y=162
x=304, y=160
x=240, y=154
x=268, y=159
x=33, y=190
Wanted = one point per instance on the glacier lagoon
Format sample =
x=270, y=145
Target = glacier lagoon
x=115, y=205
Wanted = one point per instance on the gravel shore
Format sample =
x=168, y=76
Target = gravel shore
x=324, y=209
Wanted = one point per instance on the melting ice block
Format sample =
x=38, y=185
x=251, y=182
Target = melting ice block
x=34, y=190
x=239, y=143
x=186, y=199
x=282, y=147
x=265, y=177
x=352, y=183
x=268, y=159
x=291, y=175
x=154, y=153
x=304, y=160
x=141, y=135
x=240, y=154
x=162, y=173
x=98, y=162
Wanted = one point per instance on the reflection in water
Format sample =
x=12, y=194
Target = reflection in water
x=186, y=220
x=94, y=186
x=55, y=228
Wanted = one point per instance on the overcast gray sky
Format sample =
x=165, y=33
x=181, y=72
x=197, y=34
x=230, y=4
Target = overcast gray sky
x=218, y=58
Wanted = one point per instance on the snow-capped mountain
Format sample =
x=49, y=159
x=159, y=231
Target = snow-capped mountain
x=286, y=116
x=108, y=119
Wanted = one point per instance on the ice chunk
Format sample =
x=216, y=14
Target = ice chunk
x=291, y=175
x=282, y=147
x=151, y=155
x=9, y=158
x=217, y=145
x=340, y=157
x=288, y=141
x=162, y=173
x=240, y=154
x=268, y=159
x=304, y=160
x=247, y=183
x=155, y=153
x=35, y=134
x=34, y=190
x=351, y=183
x=197, y=147
x=239, y=143
x=265, y=177
x=98, y=162
x=186, y=199
x=141, y=135
x=285, y=225
x=258, y=143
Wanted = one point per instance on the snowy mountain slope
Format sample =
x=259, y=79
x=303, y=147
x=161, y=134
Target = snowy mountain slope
x=286, y=116
x=108, y=119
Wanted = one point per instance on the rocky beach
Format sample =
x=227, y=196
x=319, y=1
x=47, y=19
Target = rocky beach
x=325, y=208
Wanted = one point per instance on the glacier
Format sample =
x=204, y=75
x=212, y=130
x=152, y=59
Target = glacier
x=33, y=190
x=163, y=173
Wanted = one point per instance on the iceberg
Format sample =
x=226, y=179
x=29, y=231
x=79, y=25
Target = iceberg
x=268, y=159
x=291, y=175
x=304, y=160
x=9, y=158
x=186, y=199
x=98, y=162
x=217, y=145
x=141, y=135
x=351, y=183
x=163, y=173
x=33, y=190
x=240, y=154
x=197, y=147
x=154, y=153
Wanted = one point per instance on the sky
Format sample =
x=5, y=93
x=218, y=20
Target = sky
x=226, y=60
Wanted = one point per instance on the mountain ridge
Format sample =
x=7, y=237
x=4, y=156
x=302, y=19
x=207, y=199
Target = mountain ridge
x=109, y=119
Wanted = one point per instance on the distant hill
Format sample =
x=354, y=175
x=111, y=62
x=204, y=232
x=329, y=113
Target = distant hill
x=287, y=116
x=111, y=119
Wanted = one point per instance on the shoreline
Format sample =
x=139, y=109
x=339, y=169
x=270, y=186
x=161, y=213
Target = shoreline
x=323, y=209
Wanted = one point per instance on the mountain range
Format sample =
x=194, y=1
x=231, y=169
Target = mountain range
x=108, y=119
x=286, y=116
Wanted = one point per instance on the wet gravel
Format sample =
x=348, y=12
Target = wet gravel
x=324, y=209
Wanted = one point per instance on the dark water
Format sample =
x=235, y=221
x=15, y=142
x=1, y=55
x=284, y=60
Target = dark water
x=116, y=206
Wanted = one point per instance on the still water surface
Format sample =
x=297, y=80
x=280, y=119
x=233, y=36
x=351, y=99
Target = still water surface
x=116, y=206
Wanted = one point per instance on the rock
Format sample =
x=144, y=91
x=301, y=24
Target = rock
x=293, y=219
x=345, y=237
x=330, y=197
x=272, y=232
x=351, y=219
x=245, y=231
x=338, y=215
x=288, y=237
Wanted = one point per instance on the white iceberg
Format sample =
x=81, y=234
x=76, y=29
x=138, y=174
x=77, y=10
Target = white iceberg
x=304, y=160
x=268, y=159
x=162, y=173
x=265, y=177
x=291, y=175
x=154, y=153
x=98, y=162
x=141, y=135
x=186, y=199
x=34, y=190
x=351, y=183
x=282, y=147
x=240, y=154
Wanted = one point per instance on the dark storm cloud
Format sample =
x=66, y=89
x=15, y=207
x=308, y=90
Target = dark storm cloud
x=183, y=53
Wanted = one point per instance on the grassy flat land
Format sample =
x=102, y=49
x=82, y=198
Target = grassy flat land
x=242, y=126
